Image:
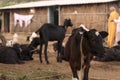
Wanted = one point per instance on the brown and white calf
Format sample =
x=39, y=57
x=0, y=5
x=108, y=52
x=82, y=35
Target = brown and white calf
x=80, y=48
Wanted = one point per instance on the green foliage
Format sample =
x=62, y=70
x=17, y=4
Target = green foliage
x=12, y=2
x=7, y=4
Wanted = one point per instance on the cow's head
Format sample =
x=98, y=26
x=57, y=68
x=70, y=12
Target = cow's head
x=68, y=22
x=23, y=51
x=35, y=42
x=95, y=41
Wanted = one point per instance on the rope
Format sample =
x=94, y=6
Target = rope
x=34, y=50
x=82, y=57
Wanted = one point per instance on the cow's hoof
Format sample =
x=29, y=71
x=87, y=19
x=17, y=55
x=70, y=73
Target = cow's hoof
x=21, y=62
x=48, y=62
x=31, y=59
x=59, y=59
x=41, y=61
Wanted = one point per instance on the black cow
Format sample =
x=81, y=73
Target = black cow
x=26, y=51
x=10, y=55
x=16, y=54
x=111, y=54
x=34, y=44
x=80, y=48
x=51, y=32
x=0, y=24
x=56, y=48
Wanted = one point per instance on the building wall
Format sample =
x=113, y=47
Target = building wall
x=40, y=17
x=91, y=15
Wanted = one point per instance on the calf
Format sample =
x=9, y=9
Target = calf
x=80, y=48
x=50, y=32
x=26, y=51
x=111, y=54
x=56, y=48
x=16, y=54
x=34, y=44
x=10, y=55
x=30, y=38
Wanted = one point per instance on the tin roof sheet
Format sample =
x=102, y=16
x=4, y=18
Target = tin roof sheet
x=55, y=2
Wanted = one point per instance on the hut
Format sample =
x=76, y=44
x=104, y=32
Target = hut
x=92, y=13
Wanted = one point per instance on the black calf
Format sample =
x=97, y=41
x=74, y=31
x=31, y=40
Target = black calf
x=51, y=32
x=10, y=55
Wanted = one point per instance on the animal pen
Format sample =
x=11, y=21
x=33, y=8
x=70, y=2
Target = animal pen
x=90, y=13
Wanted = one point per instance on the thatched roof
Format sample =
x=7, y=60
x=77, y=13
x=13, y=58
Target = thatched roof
x=54, y=3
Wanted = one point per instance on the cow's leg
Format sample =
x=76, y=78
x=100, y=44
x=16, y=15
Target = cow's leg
x=30, y=55
x=81, y=74
x=45, y=52
x=59, y=51
x=74, y=71
x=75, y=75
x=86, y=69
x=40, y=52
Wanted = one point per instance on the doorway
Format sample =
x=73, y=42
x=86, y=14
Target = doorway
x=6, y=21
x=54, y=15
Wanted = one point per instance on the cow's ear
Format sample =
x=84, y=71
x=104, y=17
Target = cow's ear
x=103, y=34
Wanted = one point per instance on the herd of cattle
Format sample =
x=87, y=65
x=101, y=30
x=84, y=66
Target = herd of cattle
x=80, y=49
x=16, y=54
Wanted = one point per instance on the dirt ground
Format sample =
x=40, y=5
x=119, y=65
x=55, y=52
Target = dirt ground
x=34, y=70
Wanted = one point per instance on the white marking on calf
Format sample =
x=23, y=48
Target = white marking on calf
x=97, y=33
x=74, y=79
x=13, y=41
x=10, y=43
x=33, y=36
x=81, y=72
x=83, y=26
x=80, y=32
